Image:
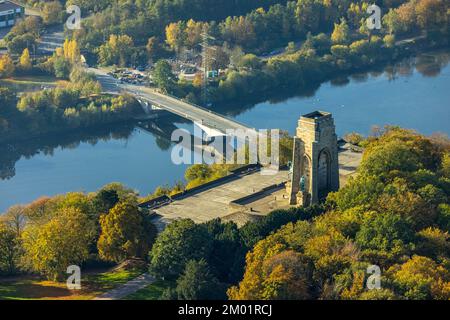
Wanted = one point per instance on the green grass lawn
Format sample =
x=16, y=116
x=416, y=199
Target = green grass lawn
x=94, y=284
x=29, y=83
x=151, y=292
x=103, y=282
x=31, y=80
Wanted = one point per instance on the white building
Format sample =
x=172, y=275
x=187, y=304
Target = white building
x=10, y=13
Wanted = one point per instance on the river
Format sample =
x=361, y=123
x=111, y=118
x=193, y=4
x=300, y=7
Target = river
x=414, y=93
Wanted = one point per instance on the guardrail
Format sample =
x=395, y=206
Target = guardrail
x=177, y=100
x=234, y=175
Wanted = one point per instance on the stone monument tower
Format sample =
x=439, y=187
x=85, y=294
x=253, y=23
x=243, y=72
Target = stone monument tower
x=315, y=169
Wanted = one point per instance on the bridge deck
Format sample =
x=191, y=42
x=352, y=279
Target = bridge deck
x=186, y=110
x=202, y=116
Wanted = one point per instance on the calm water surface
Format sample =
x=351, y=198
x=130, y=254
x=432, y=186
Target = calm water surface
x=414, y=93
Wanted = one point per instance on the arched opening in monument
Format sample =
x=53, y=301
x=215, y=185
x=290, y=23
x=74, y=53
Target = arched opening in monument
x=324, y=173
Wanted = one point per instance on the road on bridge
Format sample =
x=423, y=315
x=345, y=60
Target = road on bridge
x=209, y=121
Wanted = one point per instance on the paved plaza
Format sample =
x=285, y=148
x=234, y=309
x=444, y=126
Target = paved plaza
x=219, y=201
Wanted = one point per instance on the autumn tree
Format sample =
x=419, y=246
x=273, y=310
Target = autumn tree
x=406, y=14
x=431, y=13
x=25, y=60
x=71, y=50
x=340, y=33
x=421, y=278
x=125, y=233
x=56, y=243
x=193, y=33
x=118, y=50
x=15, y=218
x=175, y=36
x=6, y=66
x=52, y=12
x=198, y=80
x=272, y=273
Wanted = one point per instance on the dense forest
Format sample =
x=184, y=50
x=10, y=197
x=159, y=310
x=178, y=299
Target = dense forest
x=74, y=103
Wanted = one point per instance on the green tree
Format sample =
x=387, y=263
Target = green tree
x=9, y=250
x=198, y=171
x=249, y=61
x=153, y=48
x=198, y=283
x=105, y=200
x=61, y=67
x=227, y=257
x=163, y=76
x=181, y=241
x=384, y=232
x=392, y=22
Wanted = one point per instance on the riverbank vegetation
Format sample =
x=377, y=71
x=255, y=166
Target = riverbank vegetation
x=278, y=46
x=322, y=39
x=75, y=102
x=393, y=215
x=330, y=39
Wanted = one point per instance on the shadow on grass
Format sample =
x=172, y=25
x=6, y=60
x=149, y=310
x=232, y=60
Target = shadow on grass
x=33, y=290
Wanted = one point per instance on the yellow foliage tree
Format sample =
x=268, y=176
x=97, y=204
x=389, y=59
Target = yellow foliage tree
x=421, y=278
x=51, y=246
x=340, y=33
x=71, y=50
x=175, y=36
x=6, y=66
x=25, y=60
x=198, y=80
x=193, y=33
x=272, y=272
x=125, y=233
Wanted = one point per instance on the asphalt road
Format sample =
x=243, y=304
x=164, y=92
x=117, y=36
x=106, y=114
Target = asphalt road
x=197, y=114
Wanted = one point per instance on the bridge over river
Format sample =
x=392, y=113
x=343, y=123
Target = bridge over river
x=212, y=123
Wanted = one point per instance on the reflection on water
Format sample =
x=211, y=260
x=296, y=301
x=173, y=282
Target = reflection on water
x=413, y=93
x=10, y=153
x=427, y=65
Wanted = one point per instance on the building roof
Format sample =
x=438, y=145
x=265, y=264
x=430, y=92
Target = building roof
x=8, y=5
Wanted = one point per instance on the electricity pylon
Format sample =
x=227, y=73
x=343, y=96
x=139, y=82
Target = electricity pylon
x=205, y=61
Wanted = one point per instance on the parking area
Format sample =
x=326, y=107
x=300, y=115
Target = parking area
x=131, y=76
